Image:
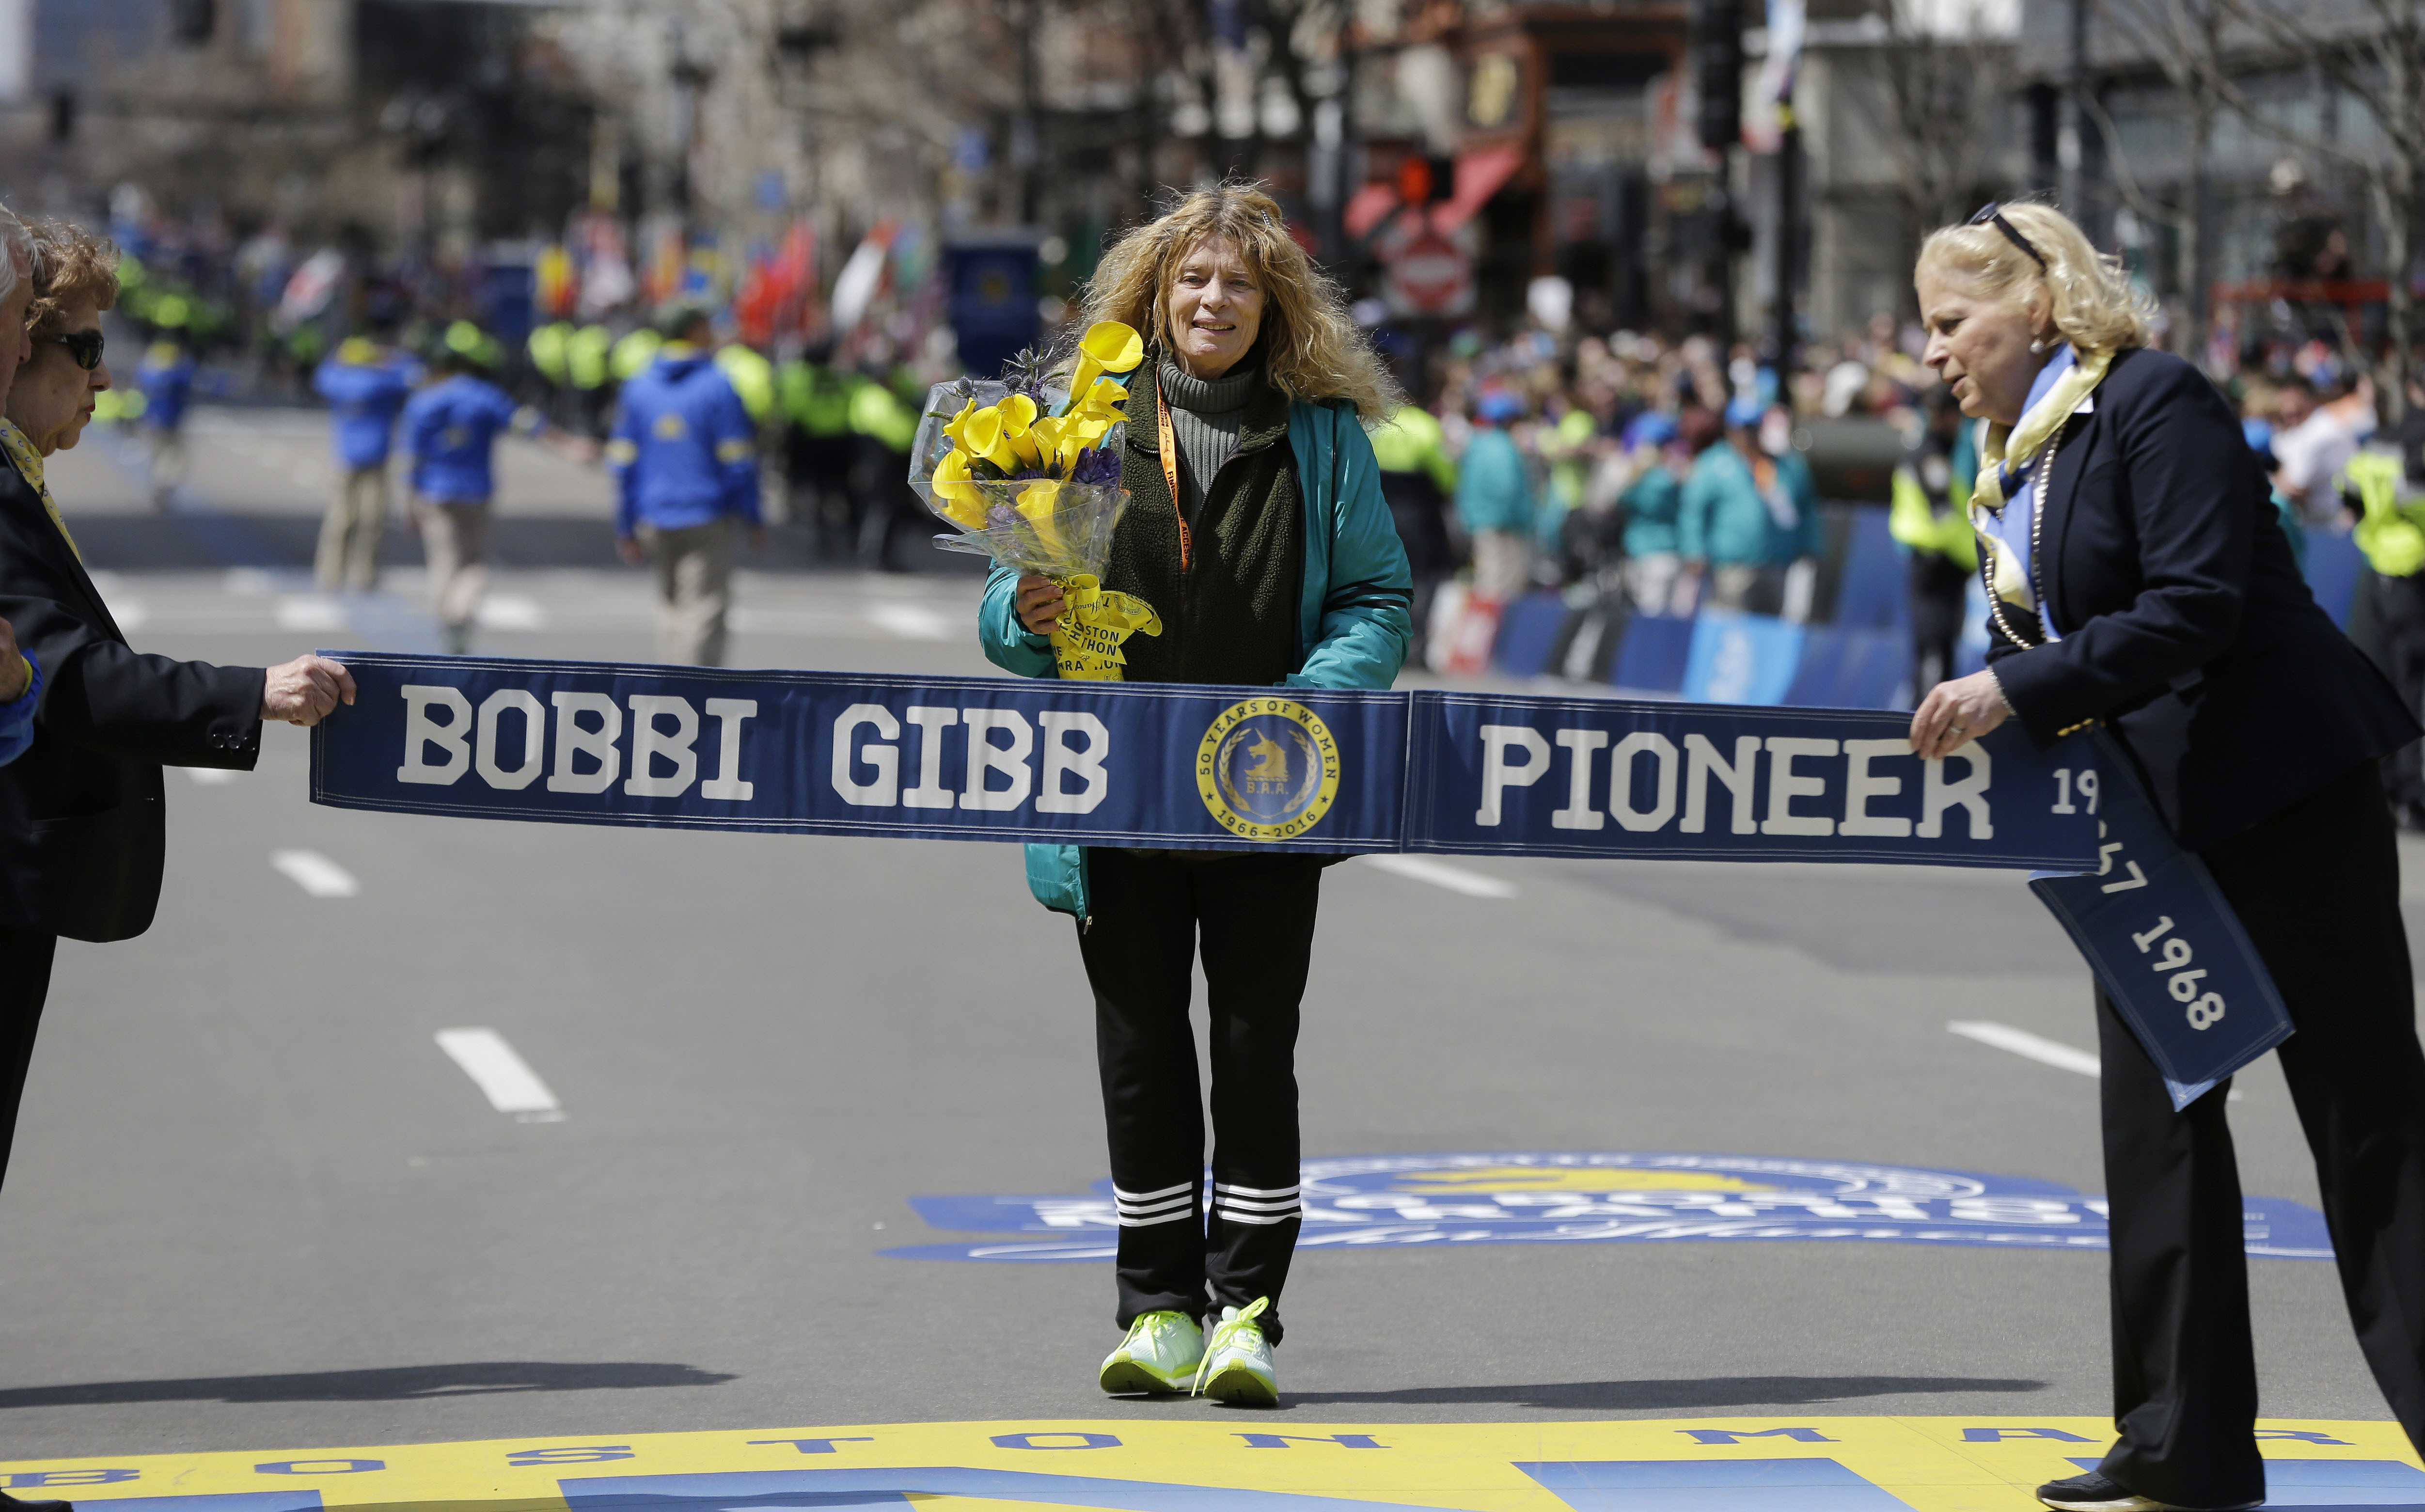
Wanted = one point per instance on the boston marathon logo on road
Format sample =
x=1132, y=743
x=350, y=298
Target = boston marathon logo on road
x=1536, y=1197
x=1268, y=769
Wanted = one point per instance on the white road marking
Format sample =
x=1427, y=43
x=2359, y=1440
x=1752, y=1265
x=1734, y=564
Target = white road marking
x=510, y=611
x=2021, y=1042
x=2038, y=1047
x=911, y=621
x=503, y=1076
x=312, y=612
x=1441, y=874
x=211, y=776
x=316, y=873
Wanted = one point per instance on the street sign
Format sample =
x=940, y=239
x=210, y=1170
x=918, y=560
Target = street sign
x=1425, y=272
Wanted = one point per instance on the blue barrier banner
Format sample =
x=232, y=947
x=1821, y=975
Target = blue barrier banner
x=956, y=758
x=2164, y=939
x=1604, y=777
x=993, y=758
x=1741, y=658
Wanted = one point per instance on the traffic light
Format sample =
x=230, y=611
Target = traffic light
x=1425, y=179
x=1717, y=51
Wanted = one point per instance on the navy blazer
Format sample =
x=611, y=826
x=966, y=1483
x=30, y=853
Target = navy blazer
x=2185, y=625
x=82, y=834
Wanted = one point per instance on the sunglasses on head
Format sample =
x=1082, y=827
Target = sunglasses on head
x=1992, y=214
x=83, y=346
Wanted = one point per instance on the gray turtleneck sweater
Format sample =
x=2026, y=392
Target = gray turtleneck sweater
x=1205, y=418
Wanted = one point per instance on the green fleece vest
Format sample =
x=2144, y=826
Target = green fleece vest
x=1232, y=616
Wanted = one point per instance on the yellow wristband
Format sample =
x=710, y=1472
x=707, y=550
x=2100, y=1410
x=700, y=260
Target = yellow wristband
x=28, y=666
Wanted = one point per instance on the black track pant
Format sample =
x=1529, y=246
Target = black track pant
x=2317, y=887
x=24, y=982
x=1940, y=588
x=1255, y=917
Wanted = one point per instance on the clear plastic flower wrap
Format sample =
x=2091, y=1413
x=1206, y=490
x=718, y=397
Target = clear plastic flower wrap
x=1029, y=473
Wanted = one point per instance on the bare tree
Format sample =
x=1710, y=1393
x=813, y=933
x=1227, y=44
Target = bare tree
x=1941, y=71
x=2372, y=51
x=2184, y=40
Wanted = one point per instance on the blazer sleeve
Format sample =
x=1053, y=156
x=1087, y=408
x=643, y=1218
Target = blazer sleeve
x=1366, y=604
x=2181, y=478
x=106, y=696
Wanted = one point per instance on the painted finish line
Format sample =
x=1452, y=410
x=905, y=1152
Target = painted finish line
x=1564, y=1196
x=1236, y=1463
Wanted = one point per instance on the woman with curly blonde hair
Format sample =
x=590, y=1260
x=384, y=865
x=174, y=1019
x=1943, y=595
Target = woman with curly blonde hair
x=2139, y=577
x=1256, y=532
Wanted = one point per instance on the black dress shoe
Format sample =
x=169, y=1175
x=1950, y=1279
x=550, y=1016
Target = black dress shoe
x=2097, y=1492
x=18, y=1504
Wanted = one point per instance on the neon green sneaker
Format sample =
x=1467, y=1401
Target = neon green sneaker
x=1237, y=1366
x=1159, y=1355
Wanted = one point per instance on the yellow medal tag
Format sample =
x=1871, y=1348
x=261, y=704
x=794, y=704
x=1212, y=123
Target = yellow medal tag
x=1094, y=621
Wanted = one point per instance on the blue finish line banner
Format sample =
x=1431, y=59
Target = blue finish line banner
x=990, y=758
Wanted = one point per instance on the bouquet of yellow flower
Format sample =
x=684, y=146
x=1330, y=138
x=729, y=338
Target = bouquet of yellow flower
x=1029, y=471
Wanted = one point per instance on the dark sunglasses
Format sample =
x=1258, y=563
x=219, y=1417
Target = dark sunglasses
x=83, y=346
x=1991, y=213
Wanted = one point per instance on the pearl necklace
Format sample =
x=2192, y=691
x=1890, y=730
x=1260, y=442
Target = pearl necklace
x=2037, y=559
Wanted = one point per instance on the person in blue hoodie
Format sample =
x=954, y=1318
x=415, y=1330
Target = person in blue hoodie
x=684, y=454
x=366, y=385
x=166, y=381
x=450, y=441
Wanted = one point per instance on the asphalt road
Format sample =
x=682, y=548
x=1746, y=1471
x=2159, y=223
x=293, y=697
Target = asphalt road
x=253, y=1204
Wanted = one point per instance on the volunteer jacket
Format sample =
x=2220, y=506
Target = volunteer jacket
x=450, y=432
x=1492, y=490
x=364, y=399
x=167, y=389
x=684, y=451
x=1723, y=520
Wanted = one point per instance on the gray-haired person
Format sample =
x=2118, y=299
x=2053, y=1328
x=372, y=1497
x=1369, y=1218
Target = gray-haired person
x=81, y=838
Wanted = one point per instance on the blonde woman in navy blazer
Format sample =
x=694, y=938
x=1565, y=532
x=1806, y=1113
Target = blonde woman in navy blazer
x=2137, y=576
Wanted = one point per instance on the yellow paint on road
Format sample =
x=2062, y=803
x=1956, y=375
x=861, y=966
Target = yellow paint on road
x=1279, y=1464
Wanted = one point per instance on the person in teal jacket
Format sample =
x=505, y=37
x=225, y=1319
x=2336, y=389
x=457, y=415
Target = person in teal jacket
x=1494, y=500
x=1661, y=446
x=1749, y=510
x=1267, y=551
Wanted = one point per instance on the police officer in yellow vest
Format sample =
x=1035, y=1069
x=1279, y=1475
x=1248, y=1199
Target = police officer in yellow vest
x=547, y=347
x=1931, y=520
x=1419, y=478
x=585, y=354
x=752, y=377
x=815, y=397
x=885, y=418
x=2390, y=502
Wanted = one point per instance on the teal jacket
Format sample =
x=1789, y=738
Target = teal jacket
x=1353, y=618
x=1493, y=491
x=1650, y=507
x=1723, y=520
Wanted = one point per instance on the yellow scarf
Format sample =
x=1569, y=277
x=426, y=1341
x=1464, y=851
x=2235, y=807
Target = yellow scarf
x=1086, y=638
x=29, y=462
x=2010, y=448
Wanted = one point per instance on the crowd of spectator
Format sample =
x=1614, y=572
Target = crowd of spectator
x=1673, y=475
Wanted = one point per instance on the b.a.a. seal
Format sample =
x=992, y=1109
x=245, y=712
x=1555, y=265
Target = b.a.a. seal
x=1268, y=769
